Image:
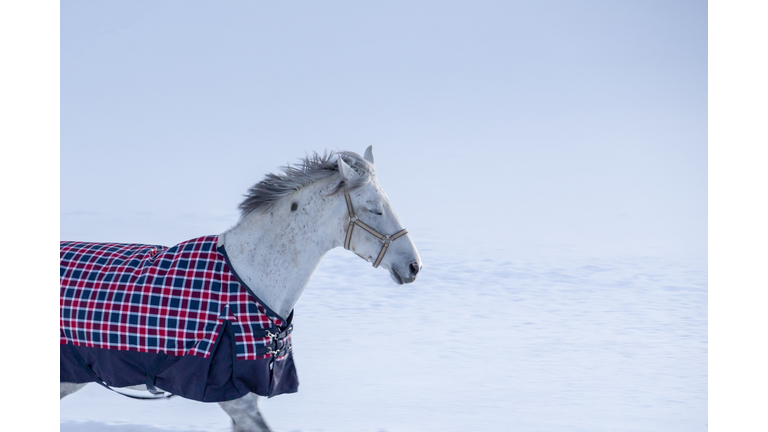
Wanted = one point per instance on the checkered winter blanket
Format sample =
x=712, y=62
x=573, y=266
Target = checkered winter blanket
x=156, y=299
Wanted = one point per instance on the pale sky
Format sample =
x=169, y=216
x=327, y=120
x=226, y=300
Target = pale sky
x=546, y=126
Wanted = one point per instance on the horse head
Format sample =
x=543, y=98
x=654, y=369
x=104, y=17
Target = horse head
x=371, y=227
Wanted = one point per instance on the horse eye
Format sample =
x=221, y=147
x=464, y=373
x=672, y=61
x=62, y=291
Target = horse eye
x=376, y=212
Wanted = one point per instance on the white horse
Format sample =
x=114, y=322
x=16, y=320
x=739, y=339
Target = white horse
x=290, y=221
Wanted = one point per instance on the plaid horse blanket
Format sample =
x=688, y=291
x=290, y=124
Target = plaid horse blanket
x=176, y=318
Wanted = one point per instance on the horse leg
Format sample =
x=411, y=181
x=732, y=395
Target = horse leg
x=245, y=414
x=66, y=389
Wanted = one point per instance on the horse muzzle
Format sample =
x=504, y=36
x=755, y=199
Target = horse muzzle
x=407, y=275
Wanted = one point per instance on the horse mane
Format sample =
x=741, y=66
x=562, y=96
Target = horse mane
x=268, y=192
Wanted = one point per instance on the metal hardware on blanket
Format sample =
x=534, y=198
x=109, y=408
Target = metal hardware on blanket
x=354, y=220
x=277, y=335
x=279, y=352
x=274, y=342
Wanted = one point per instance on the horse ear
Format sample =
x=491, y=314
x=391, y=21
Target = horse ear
x=347, y=173
x=369, y=154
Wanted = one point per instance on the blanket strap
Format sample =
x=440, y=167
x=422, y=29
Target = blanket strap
x=276, y=338
x=155, y=395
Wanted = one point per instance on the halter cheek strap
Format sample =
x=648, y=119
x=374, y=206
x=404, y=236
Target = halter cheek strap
x=353, y=220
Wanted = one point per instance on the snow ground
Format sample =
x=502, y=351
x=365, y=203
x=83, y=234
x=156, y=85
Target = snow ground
x=481, y=341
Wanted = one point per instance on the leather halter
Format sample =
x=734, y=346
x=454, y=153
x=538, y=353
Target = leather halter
x=353, y=220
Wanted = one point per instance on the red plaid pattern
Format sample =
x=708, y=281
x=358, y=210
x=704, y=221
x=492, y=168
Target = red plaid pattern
x=153, y=298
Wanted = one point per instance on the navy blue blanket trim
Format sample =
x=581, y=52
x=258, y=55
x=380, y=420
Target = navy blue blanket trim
x=220, y=377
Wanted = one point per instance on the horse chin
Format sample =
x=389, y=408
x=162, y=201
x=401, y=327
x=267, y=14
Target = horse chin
x=396, y=277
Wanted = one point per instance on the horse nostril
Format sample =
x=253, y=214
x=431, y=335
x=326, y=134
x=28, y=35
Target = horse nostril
x=414, y=267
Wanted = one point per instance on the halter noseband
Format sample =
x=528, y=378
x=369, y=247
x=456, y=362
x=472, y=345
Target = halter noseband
x=353, y=220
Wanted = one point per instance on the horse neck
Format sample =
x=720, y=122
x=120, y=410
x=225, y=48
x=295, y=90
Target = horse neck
x=276, y=252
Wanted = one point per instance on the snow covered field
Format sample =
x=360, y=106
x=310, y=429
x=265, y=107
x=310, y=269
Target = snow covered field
x=483, y=340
